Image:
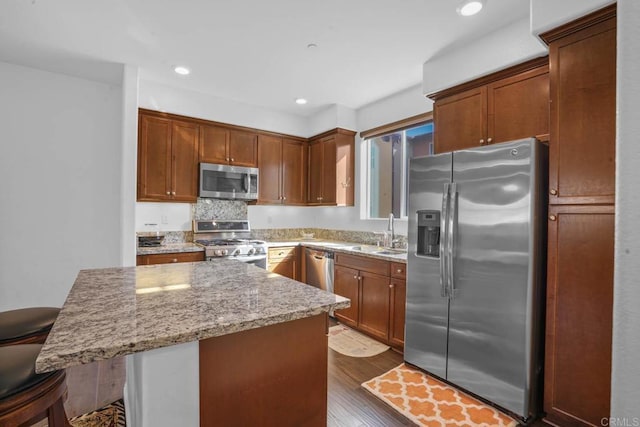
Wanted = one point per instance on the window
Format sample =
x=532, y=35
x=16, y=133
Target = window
x=388, y=156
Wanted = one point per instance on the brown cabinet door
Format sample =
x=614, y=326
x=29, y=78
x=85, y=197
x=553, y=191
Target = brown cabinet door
x=579, y=314
x=316, y=158
x=460, y=121
x=294, y=172
x=518, y=106
x=396, y=315
x=346, y=284
x=329, y=171
x=287, y=267
x=269, y=165
x=154, y=158
x=345, y=164
x=184, y=165
x=213, y=144
x=375, y=294
x=583, y=116
x=170, y=258
x=243, y=148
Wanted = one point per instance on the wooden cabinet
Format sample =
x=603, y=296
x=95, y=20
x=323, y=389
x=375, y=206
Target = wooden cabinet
x=582, y=59
x=282, y=164
x=331, y=168
x=228, y=146
x=377, y=297
x=510, y=104
x=169, y=258
x=167, y=159
x=284, y=261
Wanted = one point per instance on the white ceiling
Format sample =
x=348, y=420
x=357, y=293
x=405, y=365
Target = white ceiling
x=252, y=51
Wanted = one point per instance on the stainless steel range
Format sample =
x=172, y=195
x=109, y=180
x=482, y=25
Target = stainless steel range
x=230, y=239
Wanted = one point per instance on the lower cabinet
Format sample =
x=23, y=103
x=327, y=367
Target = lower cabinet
x=169, y=258
x=284, y=261
x=377, y=293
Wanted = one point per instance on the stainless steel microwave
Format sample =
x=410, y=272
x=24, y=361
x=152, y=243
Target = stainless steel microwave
x=228, y=182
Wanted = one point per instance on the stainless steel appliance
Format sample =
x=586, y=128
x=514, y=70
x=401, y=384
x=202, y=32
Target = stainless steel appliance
x=230, y=239
x=228, y=182
x=319, y=270
x=476, y=270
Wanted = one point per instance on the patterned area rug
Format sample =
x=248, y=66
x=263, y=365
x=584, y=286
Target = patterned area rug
x=429, y=402
x=112, y=415
x=351, y=343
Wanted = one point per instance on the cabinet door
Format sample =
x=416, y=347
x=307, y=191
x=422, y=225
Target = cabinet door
x=269, y=164
x=345, y=164
x=579, y=314
x=518, y=106
x=346, y=284
x=169, y=258
x=154, y=158
x=583, y=116
x=375, y=294
x=315, y=173
x=460, y=121
x=243, y=148
x=329, y=171
x=213, y=144
x=287, y=267
x=294, y=172
x=396, y=315
x=184, y=165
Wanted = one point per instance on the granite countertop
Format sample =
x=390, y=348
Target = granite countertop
x=368, y=251
x=167, y=248
x=117, y=311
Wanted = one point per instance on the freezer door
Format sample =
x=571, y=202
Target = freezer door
x=426, y=309
x=489, y=326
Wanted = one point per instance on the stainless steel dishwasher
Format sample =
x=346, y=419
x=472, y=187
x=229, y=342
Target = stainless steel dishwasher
x=319, y=268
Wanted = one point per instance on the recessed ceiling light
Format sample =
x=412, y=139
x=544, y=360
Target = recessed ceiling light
x=301, y=101
x=470, y=7
x=183, y=71
x=312, y=46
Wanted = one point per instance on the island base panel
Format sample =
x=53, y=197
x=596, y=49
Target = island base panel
x=270, y=376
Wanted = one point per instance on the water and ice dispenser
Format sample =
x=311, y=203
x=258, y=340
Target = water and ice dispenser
x=428, y=233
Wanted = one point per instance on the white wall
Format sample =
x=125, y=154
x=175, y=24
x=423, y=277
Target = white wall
x=129, y=154
x=507, y=46
x=549, y=14
x=625, y=393
x=61, y=172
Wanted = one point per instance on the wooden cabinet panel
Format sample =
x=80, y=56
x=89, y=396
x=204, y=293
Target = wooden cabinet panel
x=329, y=171
x=184, y=174
x=371, y=265
x=518, y=106
x=583, y=111
x=460, y=120
x=397, y=313
x=213, y=144
x=374, y=304
x=294, y=172
x=345, y=170
x=315, y=173
x=169, y=258
x=154, y=158
x=346, y=284
x=269, y=164
x=579, y=314
x=399, y=270
x=284, y=261
x=243, y=148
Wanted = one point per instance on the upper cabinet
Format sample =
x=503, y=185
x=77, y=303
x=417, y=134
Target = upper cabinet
x=331, y=168
x=167, y=159
x=282, y=165
x=507, y=105
x=228, y=146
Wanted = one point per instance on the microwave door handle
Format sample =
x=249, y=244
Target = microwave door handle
x=247, y=182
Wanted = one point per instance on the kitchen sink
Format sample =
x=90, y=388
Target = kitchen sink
x=376, y=250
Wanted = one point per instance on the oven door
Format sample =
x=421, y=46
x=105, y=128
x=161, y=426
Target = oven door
x=228, y=182
x=257, y=260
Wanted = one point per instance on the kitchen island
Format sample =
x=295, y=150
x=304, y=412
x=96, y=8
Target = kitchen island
x=208, y=343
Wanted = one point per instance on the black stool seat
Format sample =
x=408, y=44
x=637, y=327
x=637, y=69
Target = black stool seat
x=25, y=322
x=17, y=369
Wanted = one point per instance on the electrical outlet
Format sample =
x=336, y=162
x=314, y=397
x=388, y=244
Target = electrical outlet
x=164, y=219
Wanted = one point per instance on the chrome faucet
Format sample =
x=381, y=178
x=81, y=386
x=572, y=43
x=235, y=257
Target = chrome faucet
x=390, y=234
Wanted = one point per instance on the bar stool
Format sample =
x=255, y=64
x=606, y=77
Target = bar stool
x=27, y=397
x=26, y=325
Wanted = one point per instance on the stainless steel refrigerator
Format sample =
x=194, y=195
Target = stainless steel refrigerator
x=476, y=270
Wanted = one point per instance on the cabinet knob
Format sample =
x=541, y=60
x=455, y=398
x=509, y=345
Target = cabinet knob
x=355, y=277
x=174, y=260
x=173, y=193
x=284, y=198
x=391, y=286
x=489, y=140
x=317, y=198
x=168, y=193
x=399, y=270
x=552, y=217
x=227, y=159
x=553, y=192
x=482, y=142
x=232, y=159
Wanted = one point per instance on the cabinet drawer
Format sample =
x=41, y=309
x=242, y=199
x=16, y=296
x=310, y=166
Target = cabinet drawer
x=169, y=258
x=398, y=270
x=280, y=253
x=363, y=263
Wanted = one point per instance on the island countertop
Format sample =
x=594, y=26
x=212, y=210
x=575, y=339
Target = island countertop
x=118, y=311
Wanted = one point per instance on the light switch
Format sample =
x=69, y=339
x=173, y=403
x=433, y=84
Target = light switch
x=164, y=219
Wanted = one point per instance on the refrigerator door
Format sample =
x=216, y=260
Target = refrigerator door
x=427, y=309
x=490, y=309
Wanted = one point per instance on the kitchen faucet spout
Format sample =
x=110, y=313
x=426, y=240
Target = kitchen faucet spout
x=390, y=233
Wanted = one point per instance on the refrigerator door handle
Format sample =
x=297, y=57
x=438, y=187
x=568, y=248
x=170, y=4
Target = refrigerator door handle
x=444, y=286
x=451, y=237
